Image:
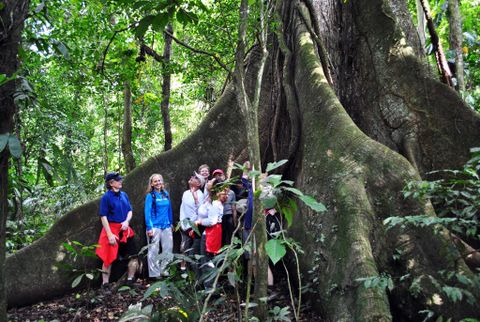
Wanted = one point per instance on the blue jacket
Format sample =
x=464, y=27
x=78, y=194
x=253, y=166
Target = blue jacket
x=160, y=215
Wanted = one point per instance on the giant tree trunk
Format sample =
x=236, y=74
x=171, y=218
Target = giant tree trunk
x=12, y=16
x=352, y=145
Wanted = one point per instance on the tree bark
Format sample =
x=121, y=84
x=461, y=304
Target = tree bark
x=384, y=121
x=164, y=105
x=127, y=128
x=456, y=40
x=421, y=24
x=12, y=16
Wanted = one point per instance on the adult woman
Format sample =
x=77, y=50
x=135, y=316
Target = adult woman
x=116, y=236
x=158, y=221
x=191, y=200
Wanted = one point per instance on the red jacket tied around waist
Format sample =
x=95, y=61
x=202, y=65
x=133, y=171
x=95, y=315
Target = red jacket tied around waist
x=108, y=253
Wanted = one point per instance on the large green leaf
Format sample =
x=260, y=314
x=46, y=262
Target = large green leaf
x=275, y=250
x=294, y=190
x=274, y=179
x=312, y=203
x=269, y=202
x=14, y=146
x=143, y=25
x=160, y=22
x=273, y=165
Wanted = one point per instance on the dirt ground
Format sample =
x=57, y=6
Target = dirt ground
x=97, y=305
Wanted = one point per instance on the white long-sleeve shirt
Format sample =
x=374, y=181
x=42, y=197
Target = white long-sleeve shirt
x=189, y=209
x=210, y=214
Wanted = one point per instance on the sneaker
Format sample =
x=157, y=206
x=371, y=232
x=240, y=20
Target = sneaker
x=130, y=282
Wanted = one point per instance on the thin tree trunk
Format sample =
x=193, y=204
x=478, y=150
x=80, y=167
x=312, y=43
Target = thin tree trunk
x=456, y=40
x=249, y=109
x=105, y=134
x=437, y=46
x=421, y=24
x=167, y=52
x=19, y=169
x=12, y=18
x=127, y=128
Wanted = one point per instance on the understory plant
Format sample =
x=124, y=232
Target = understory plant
x=456, y=198
x=191, y=302
x=81, y=255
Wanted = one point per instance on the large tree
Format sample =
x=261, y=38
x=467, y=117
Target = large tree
x=12, y=16
x=348, y=99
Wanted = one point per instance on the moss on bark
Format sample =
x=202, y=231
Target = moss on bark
x=361, y=181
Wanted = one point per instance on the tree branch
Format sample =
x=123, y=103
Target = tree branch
x=102, y=67
x=200, y=51
x=151, y=52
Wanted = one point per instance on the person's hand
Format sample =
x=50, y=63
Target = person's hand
x=112, y=239
x=125, y=225
x=191, y=234
x=150, y=233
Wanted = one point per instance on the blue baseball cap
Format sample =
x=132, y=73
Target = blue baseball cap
x=113, y=176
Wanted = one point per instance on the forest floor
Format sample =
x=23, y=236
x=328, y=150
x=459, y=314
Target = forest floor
x=97, y=305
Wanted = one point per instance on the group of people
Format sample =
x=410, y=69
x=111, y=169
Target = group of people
x=208, y=217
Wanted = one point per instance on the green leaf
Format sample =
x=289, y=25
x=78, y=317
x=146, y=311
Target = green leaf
x=201, y=6
x=274, y=179
x=232, y=278
x=89, y=276
x=14, y=146
x=140, y=4
x=154, y=287
x=77, y=281
x=159, y=22
x=269, y=202
x=185, y=17
x=294, y=190
x=272, y=166
x=2, y=5
x=288, y=214
x=313, y=204
x=3, y=140
x=4, y=78
x=454, y=293
x=143, y=25
x=275, y=250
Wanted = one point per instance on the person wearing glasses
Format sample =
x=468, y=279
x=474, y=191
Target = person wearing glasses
x=116, y=238
x=158, y=221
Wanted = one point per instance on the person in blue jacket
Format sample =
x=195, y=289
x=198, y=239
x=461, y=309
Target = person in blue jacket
x=159, y=224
